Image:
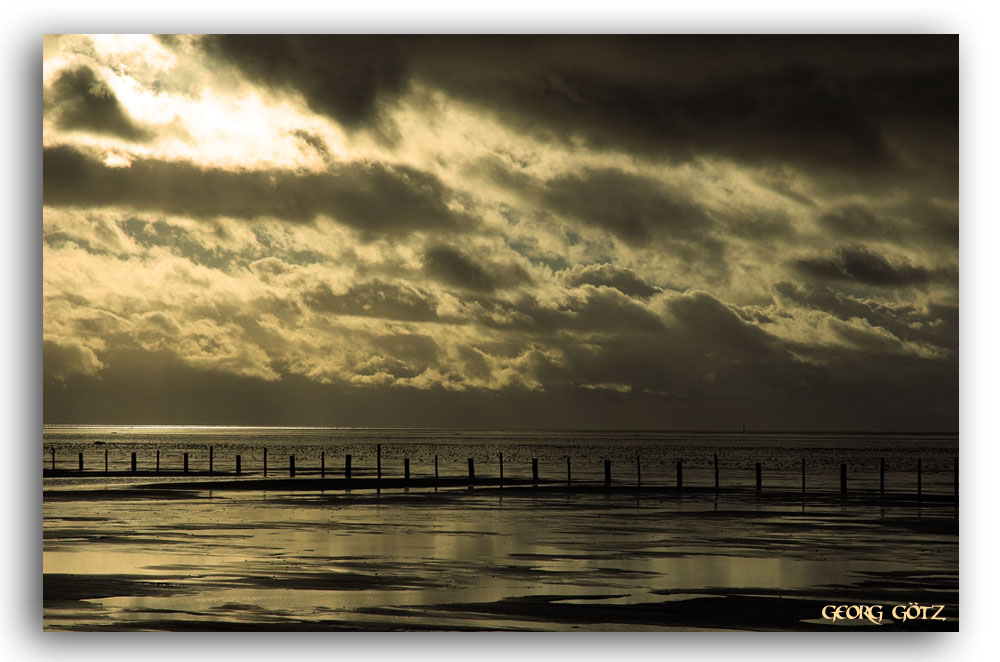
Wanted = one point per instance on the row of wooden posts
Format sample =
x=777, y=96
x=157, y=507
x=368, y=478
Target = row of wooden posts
x=534, y=469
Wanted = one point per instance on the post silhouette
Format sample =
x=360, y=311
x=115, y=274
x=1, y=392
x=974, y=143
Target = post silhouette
x=534, y=471
x=157, y=461
x=81, y=461
x=569, y=473
x=322, y=464
x=757, y=471
x=211, y=459
x=347, y=466
x=239, y=468
x=638, y=472
x=472, y=472
x=680, y=474
x=185, y=462
x=955, y=480
x=406, y=469
x=52, y=453
x=803, y=475
x=607, y=473
x=435, y=469
x=378, y=461
x=265, y=462
x=133, y=462
x=919, y=479
x=881, y=476
x=715, y=460
x=501, y=469
x=843, y=478
x=291, y=466
x=105, y=460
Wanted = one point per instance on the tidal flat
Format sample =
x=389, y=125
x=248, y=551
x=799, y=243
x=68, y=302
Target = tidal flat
x=120, y=557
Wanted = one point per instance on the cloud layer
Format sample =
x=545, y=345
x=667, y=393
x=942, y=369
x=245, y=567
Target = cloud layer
x=675, y=232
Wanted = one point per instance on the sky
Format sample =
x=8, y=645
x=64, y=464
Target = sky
x=672, y=232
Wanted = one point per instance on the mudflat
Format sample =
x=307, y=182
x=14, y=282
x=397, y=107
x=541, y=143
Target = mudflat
x=225, y=556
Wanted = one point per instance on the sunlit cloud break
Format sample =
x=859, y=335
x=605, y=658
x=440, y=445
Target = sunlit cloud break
x=625, y=232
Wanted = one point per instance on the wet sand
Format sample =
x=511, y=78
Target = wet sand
x=241, y=555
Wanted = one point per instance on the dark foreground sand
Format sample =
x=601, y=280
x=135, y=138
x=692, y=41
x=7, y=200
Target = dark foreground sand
x=249, y=556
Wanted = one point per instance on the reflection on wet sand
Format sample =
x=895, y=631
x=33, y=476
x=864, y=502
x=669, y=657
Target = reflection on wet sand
x=486, y=559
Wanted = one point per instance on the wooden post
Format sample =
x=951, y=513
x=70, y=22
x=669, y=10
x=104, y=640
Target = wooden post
x=680, y=474
x=265, y=462
x=501, y=469
x=803, y=475
x=435, y=469
x=378, y=461
x=919, y=479
x=291, y=466
x=81, y=469
x=956, y=478
x=607, y=473
x=472, y=472
x=105, y=460
x=185, y=462
x=157, y=461
x=638, y=472
x=133, y=462
x=322, y=464
x=715, y=459
x=239, y=468
x=406, y=469
x=881, y=476
x=52, y=454
x=757, y=470
x=569, y=473
x=211, y=459
x=843, y=478
x=534, y=471
x=347, y=466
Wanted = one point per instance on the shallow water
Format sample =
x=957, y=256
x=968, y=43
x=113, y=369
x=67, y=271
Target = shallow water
x=517, y=559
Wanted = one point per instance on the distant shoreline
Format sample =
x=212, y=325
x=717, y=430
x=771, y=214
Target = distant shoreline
x=184, y=426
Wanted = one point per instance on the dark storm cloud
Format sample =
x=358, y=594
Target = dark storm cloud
x=451, y=266
x=710, y=369
x=374, y=299
x=638, y=210
x=707, y=323
x=712, y=365
x=704, y=353
x=917, y=221
x=632, y=207
x=81, y=100
x=343, y=76
x=625, y=281
x=936, y=324
x=861, y=265
x=783, y=116
x=879, y=392
x=62, y=360
x=595, y=311
x=408, y=346
x=371, y=197
x=858, y=221
x=823, y=101
x=934, y=218
x=838, y=153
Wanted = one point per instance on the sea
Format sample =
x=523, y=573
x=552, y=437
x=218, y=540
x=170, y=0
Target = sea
x=645, y=457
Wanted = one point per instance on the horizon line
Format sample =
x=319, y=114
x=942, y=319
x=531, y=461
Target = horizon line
x=500, y=429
